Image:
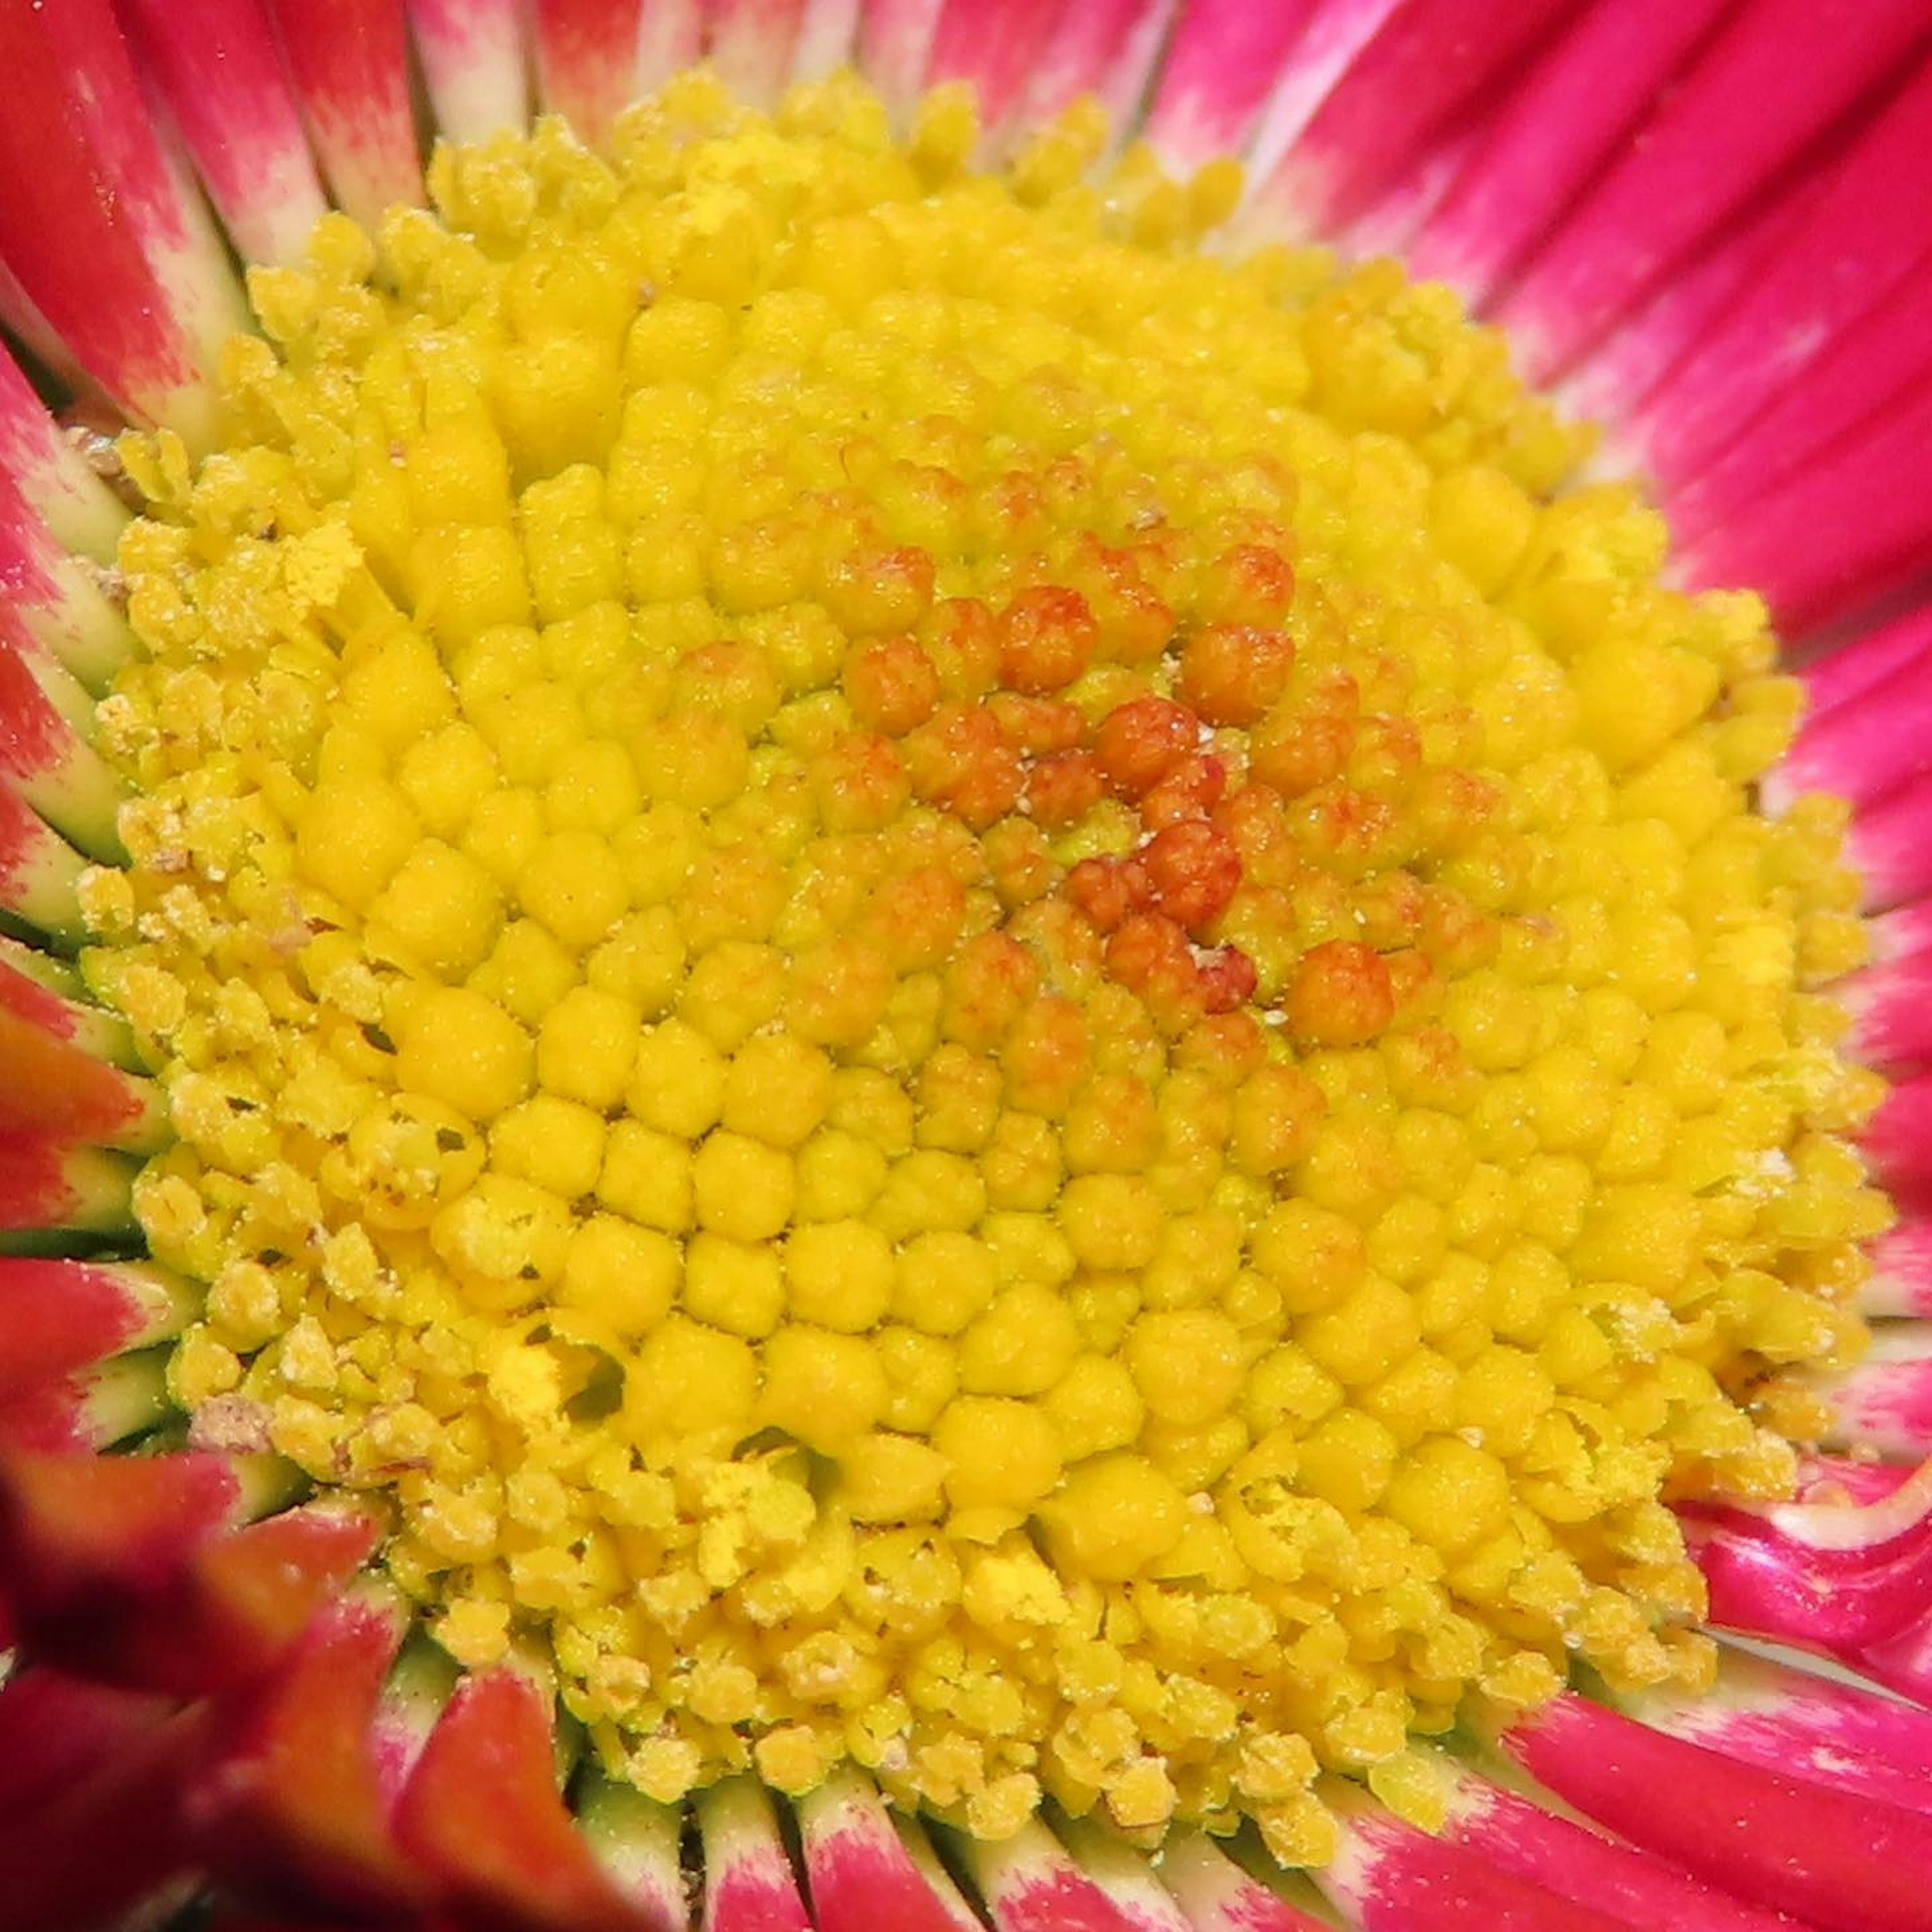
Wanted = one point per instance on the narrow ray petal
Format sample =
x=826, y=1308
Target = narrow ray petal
x=350, y=60
x=56, y=1316
x=1901, y=1283
x=95, y=222
x=857, y=1865
x=51, y=476
x=1029, y=1883
x=1840, y=1861
x=1108, y=50
x=1797, y=1722
x=1871, y=743
x=1855, y=665
x=1888, y=846
x=1518, y=1836
x=1126, y=1877
x=295, y=1810
x=749, y=1885
x=1218, y=1896
x=1884, y=1404
x=1741, y=114
x=1858, y=240
x=1390, y=1876
x=636, y=1841
x=219, y=72
x=1558, y=125
x=481, y=1811
x=1216, y=75
x=586, y=55
x=894, y=45
x=1404, y=89
x=996, y=45
x=471, y=53
x=828, y=34
x=51, y=1192
x=1857, y=376
x=752, y=43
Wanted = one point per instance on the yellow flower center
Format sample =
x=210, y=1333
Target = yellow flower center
x=966, y=988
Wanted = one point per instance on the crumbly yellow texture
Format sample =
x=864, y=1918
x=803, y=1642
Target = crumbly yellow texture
x=969, y=989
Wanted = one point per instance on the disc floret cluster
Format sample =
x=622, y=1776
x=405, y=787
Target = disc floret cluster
x=971, y=992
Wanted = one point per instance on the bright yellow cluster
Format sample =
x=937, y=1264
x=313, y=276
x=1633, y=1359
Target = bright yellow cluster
x=966, y=988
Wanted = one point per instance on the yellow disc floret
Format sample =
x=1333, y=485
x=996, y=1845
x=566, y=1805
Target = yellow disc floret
x=975, y=993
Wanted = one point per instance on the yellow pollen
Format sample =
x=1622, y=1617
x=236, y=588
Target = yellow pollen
x=974, y=993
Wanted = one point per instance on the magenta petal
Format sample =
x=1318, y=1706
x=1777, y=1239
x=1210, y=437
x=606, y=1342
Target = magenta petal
x=1030, y=1884
x=1519, y=1837
x=859, y=1870
x=1856, y=666
x=1798, y=1723
x=1901, y=1281
x=349, y=59
x=1106, y=48
x=1550, y=135
x=51, y=475
x=471, y=53
x=997, y=45
x=1858, y=240
x=1889, y=847
x=1884, y=1404
x=1390, y=1876
x=895, y=46
x=1403, y=89
x=586, y=60
x=96, y=223
x=1891, y=1008
x=1745, y=109
x=218, y=68
x=1875, y=741
x=1841, y=1861
x=1217, y=74
x=1217, y=1896
x=749, y=1885
x=1848, y=390
x=751, y=45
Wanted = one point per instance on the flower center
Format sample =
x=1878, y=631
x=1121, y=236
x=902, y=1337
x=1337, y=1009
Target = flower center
x=964, y=986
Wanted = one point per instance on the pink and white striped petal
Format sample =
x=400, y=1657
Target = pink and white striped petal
x=1390, y=1876
x=860, y=1871
x=1796, y=1722
x=1898, y=1142
x=43, y=759
x=896, y=40
x=1861, y=661
x=1532, y=1843
x=1405, y=89
x=751, y=45
x=1859, y=239
x=1736, y=120
x=1216, y=75
x=59, y=599
x=996, y=45
x=52, y=477
x=51, y=1192
x=1901, y=1281
x=1851, y=384
x=586, y=59
x=1217, y=1895
x=96, y=222
x=1560, y=123
x=40, y=873
x=350, y=60
x=217, y=70
x=1889, y=845
x=1108, y=50
x=828, y=37
x=1890, y=1004
x=471, y=53
x=636, y=1841
x=1835, y=1858
x=1029, y=1883
x=749, y=1885
x=670, y=38
x=1884, y=1404
x=1125, y=1876
x=1870, y=744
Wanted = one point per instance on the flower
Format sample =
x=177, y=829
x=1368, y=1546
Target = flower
x=929, y=999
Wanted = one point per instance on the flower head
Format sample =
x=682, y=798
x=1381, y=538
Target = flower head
x=876, y=976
